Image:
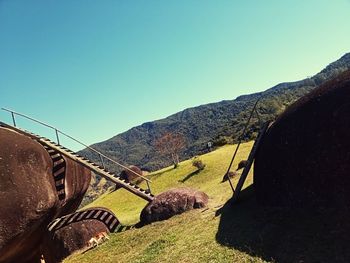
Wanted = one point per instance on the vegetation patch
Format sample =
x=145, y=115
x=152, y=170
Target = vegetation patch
x=155, y=249
x=222, y=232
x=189, y=237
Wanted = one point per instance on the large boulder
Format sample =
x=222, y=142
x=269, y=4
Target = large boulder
x=172, y=202
x=74, y=235
x=132, y=176
x=33, y=191
x=304, y=159
x=230, y=175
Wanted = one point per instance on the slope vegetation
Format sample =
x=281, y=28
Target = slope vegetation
x=219, y=122
x=127, y=206
x=208, y=122
x=243, y=232
x=189, y=237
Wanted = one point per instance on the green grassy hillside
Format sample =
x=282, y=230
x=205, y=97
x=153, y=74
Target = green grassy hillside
x=243, y=232
x=189, y=237
x=127, y=206
x=208, y=122
x=218, y=122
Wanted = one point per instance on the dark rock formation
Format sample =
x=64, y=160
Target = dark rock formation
x=29, y=198
x=130, y=176
x=172, y=202
x=62, y=242
x=229, y=175
x=241, y=164
x=304, y=159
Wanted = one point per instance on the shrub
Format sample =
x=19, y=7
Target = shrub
x=220, y=141
x=198, y=163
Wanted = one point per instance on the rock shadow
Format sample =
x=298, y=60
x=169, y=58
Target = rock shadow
x=284, y=235
x=189, y=176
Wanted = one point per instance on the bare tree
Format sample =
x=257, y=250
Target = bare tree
x=170, y=144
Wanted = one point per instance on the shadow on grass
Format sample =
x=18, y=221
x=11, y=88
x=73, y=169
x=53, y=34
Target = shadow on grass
x=284, y=235
x=161, y=172
x=87, y=250
x=124, y=228
x=189, y=176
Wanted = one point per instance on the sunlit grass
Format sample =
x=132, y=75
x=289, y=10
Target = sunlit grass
x=190, y=237
x=127, y=206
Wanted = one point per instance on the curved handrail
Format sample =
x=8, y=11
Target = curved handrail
x=13, y=113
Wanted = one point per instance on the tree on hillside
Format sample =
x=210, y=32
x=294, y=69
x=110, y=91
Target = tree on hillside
x=170, y=144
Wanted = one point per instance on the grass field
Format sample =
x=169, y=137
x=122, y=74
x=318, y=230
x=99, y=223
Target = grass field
x=127, y=206
x=243, y=232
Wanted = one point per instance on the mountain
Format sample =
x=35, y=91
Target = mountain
x=219, y=122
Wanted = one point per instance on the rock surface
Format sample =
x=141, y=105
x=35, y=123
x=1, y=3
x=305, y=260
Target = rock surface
x=64, y=241
x=304, y=159
x=172, y=202
x=230, y=174
x=29, y=199
x=130, y=176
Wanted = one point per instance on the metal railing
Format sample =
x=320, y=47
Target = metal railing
x=58, y=132
x=241, y=137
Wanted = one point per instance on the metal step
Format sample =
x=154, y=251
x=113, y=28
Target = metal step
x=249, y=162
x=85, y=162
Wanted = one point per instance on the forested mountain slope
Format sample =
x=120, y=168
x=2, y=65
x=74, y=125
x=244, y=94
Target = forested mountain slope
x=217, y=122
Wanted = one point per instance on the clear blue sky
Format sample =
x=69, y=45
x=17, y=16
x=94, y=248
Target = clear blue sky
x=97, y=68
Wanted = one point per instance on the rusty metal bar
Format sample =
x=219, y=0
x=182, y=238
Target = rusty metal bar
x=29, y=118
x=58, y=139
x=240, y=141
x=148, y=186
x=250, y=162
x=108, y=158
x=13, y=119
x=103, y=163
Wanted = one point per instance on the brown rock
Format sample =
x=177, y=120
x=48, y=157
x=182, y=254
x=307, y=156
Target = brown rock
x=130, y=176
x=230, y=175
x=29, y=198
x=304, y=159
x=62, y=242
x=172, y=202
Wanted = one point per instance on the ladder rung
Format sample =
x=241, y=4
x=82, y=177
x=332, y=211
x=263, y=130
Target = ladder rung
x=57, y=162
x=60, y=175
x=60, y=187
x=61, y=196
x=56, y=158
x=56, y=153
